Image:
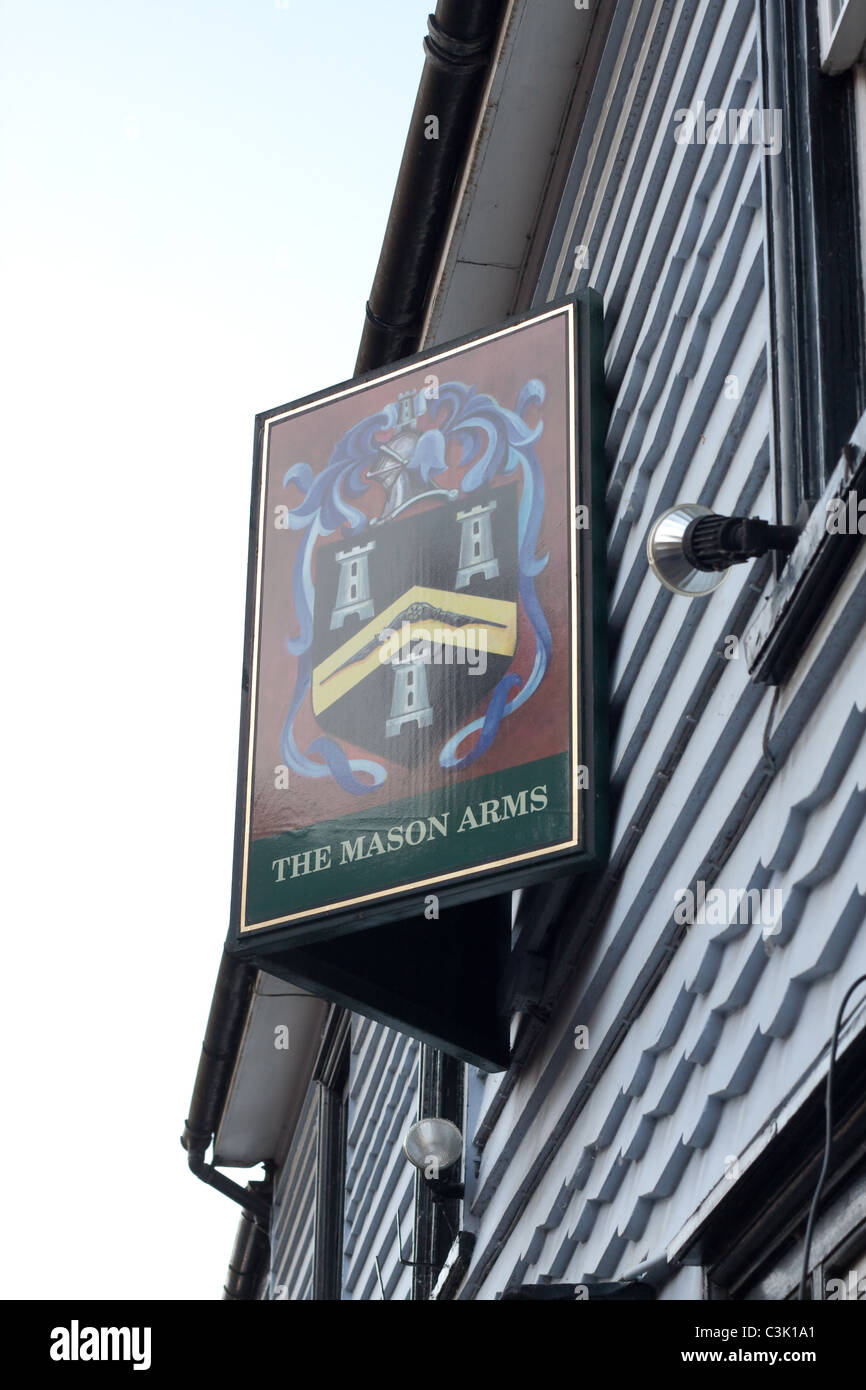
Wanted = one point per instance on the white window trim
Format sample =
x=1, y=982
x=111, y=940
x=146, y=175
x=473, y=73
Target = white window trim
x=781, y=600
x=841, y=43
x=860, y=108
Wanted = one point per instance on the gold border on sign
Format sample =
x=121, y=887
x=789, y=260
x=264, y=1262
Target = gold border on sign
x=327, y=909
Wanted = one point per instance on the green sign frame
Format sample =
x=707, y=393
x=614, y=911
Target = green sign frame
x=424, y=698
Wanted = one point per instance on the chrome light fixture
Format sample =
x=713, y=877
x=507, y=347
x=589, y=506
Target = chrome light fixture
x=690, y=548
x=434, y=1145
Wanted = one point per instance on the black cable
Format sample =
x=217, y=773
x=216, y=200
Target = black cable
x=451, y=1231
x=828, y=1138
x=769, y=758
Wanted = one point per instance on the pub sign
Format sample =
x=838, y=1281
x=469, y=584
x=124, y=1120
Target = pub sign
x=424, y=681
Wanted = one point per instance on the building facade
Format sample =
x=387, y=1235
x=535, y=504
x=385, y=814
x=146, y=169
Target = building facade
x=661, y=1121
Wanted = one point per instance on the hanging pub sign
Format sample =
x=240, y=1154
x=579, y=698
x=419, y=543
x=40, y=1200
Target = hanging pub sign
x=424, y=716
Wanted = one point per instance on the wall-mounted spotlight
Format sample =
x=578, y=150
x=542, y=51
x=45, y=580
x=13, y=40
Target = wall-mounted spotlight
x=690, y=548
x=433, y=1146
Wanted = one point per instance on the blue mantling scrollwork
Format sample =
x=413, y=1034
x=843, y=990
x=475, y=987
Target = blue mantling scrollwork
x=493, y=440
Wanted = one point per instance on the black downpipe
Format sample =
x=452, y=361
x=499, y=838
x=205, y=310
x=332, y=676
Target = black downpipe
x=458, y=48
x=249, y=1260
x=228, y=1010
x=258, y=1207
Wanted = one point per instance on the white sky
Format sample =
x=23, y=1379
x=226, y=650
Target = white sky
x=194, y=194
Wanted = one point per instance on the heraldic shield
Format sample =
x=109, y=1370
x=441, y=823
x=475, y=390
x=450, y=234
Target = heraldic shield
x=415, y=618
x=425, y=700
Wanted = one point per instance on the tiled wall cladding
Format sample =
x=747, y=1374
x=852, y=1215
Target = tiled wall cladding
x=598, y=1156
x=295, y=1212
x=383, y=1103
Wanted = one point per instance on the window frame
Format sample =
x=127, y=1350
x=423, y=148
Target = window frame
x=842, y=39
x=839, y=1238
x=817, y=331
x=748, y=1236
x=331, y=1076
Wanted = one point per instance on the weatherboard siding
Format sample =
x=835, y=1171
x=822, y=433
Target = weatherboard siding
x=294, y=1215
x=598, y=1157
x=383, y=1103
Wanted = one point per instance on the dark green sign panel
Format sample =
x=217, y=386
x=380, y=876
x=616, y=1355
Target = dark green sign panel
x=424, y=714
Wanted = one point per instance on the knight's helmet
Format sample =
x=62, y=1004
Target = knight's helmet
x=390, y=468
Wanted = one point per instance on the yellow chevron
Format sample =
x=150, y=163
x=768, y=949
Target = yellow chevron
x=497, y=618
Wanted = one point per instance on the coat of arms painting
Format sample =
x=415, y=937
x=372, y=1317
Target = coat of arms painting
x=412, y=716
